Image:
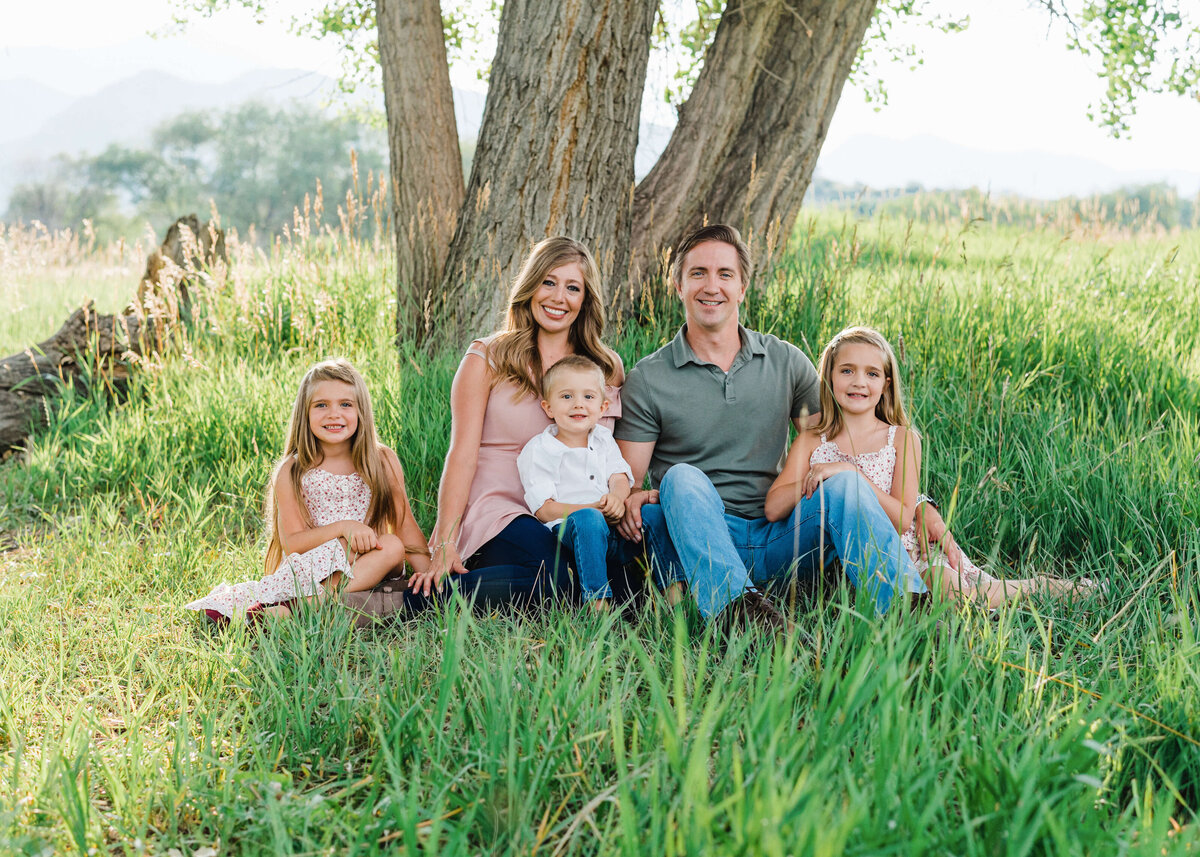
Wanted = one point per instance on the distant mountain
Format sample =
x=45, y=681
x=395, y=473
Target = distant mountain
x=25, y=104
x=880, y=162
x=127, y=111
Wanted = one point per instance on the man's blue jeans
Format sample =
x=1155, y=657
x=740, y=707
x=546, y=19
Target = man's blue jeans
x=691, y=537
x=593, y=542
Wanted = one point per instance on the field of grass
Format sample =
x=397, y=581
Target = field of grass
x=1056, y=379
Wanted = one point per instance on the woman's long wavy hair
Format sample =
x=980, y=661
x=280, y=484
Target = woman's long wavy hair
x=302, y=451
x=513, y=354
x=889, y=408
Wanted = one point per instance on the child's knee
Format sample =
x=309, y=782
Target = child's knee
x=392, y=547
x=589, y=519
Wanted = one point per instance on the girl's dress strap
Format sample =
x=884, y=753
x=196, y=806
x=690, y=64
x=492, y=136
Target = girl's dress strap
x=891, y=435
x=823, y=440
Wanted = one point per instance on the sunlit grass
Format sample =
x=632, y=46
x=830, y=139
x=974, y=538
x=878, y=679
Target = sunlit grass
x=1056, y=380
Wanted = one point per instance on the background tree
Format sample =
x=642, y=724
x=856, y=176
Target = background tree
x=256, y=162
x=750, y=130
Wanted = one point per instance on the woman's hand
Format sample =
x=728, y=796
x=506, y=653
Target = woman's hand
x=818, y=473
x=444, y=559
x=359, y=537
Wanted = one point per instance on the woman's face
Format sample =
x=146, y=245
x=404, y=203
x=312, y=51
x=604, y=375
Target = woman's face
x=556, y=302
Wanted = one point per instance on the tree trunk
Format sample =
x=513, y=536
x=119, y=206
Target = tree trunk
x=555, y=151
x=426, y=166
x=748, y=137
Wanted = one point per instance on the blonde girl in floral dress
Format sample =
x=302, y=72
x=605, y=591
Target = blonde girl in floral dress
x=337, y=511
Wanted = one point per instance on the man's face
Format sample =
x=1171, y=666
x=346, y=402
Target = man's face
x=711, y=288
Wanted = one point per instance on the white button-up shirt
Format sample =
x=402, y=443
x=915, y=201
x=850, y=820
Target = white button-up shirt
x=551, y=470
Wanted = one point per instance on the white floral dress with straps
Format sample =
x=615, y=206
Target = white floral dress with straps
x=329, y=497
x=878, y=466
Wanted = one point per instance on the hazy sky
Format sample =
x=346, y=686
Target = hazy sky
x=1007, y=84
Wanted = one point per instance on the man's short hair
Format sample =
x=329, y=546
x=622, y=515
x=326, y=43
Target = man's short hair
x=716, y=232
x=576, y=362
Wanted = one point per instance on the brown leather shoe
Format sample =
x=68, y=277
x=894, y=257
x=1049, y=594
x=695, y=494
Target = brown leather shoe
x=753, y=610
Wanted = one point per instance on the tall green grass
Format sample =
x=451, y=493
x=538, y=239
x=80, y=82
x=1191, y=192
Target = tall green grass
x=1055, y=379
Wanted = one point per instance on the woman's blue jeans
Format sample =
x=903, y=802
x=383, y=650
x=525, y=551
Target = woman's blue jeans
x=721, y=556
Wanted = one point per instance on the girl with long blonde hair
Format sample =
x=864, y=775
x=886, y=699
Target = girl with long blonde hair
x=864, y=428
x=337, y=515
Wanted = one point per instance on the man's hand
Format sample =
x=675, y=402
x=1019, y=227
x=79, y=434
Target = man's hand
x=631, y=523
x=931, y=529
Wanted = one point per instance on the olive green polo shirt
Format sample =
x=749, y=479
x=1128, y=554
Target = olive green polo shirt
x=732, y=425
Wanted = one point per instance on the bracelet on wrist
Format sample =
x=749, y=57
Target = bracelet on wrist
x=925, y=498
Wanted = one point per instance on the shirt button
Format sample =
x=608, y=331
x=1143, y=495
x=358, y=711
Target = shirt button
x=592, y=476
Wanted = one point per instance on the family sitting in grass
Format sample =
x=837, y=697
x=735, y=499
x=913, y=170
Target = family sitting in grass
x=542, y=497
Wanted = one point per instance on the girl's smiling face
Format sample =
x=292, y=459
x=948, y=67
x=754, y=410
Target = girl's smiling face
x=859, y=377
x=333, y=412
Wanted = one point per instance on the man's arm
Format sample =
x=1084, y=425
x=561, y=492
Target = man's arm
x=637, y=455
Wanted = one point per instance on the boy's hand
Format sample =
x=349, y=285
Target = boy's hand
x=630, y=527
x=612, y=507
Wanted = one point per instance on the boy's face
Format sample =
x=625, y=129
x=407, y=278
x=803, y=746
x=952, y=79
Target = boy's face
x=576, y=400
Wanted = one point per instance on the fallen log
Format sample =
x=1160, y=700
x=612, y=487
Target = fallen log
x=87, y=339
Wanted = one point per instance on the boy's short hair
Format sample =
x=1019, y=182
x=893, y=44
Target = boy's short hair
x=577, y=362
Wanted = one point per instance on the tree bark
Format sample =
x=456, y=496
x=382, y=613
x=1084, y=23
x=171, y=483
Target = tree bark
x=748, y=137
x=426, y=166
x=555, y=151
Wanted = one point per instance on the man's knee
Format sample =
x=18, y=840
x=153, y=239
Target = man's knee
x=683, y=479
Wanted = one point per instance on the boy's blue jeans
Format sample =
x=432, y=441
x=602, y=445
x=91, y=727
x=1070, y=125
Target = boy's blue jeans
x=594, y=543
x=691, y=537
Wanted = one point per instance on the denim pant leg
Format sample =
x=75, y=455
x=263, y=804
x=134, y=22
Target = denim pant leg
x=843, y=518
x=665, y=566
x=586, y=533
x=523, y=563
x=695, y=517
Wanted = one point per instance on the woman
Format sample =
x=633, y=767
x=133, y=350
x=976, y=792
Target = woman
x=484, y=533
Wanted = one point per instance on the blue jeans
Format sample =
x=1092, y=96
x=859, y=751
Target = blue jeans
x=594, y=543
x=522, y=564
x=721, y=556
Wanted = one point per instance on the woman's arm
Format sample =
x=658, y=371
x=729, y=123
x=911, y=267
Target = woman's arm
x=468, y=403
x=788, y=487
x=416, y=549
x=295, y=537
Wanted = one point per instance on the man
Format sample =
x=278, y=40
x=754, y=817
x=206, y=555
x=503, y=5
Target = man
x=707, y=415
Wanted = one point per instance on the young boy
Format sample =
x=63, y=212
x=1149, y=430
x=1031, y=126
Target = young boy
x=574, y=477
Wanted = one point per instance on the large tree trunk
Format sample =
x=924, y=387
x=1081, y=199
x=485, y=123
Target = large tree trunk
x=555, y=151
x=426, y=166
x=748, y=137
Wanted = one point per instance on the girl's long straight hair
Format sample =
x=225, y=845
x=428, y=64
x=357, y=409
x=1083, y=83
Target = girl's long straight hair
x=513, y=354
x=889, y=408
x=302, y=452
